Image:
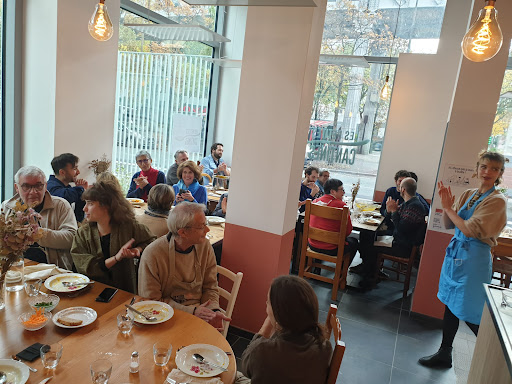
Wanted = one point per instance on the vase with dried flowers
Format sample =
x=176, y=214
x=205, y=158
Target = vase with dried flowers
x=100, y=165
x=355, y=190
x=19, y=229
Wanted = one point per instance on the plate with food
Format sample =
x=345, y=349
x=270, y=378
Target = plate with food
x=75, y=317
x=162, y=312
x=47, y=302
x=135, y=202
x=16, y=372
x=55, y=283
x=215, y=220
x=211, y=354
x=223, y=177
x=371, y=222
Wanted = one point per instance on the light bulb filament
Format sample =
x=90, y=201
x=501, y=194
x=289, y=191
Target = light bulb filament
x=483, y=36
x=101, y=25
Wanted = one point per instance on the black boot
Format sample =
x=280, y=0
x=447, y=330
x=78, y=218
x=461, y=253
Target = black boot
x=440, y=359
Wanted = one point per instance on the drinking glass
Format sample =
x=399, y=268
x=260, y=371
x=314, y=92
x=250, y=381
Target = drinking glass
x=124, y=323
x=50, y=355
x=100, y=371
x=32, y=287
x=161, y=353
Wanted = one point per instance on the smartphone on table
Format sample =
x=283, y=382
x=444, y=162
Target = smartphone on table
x=106, y=295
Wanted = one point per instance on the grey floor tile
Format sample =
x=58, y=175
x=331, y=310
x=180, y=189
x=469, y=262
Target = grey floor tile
x=376, y=314
x=461, y=375
x=471, y=345
x=239, y=346
x=421, y=328
x=388, y=292
x=358, y=370
x=368, y=342
x=461, y=361
x=402, y=377
x=407, y=353
x=323, y=293
x=231, y=338
x=460, y=345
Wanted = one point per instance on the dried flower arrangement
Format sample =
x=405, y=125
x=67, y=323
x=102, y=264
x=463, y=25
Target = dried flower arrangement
x=100, y=165
x=355, y=190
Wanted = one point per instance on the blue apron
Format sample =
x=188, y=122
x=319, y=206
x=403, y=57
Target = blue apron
x=467, y=265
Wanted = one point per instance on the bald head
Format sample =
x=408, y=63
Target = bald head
x=409, y=186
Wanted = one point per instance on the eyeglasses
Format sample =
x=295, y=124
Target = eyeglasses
x=142, y=161
x=27, y=187
x=201, y=227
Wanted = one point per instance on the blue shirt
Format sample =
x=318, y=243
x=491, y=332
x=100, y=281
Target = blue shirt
x=209, y=164
x=71, y=194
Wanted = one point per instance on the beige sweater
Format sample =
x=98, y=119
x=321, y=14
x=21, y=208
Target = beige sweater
x=157, y=225
x=182, y=280
x=489, y=217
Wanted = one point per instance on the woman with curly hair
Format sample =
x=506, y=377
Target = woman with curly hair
x=105, y=247
x=188, y=187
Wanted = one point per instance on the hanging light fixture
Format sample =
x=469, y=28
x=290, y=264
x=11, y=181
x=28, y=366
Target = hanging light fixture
x=483, y=40
x=385, y=92
x=100, y=26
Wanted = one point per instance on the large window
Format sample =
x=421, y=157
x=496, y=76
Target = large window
x=348, y=120
x=2, y=145
x=162, y=92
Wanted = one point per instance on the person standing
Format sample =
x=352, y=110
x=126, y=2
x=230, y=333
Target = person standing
x=478, y=216
x=143, y=181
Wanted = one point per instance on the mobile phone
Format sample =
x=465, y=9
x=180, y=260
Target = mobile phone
x=182, y=191
x=106, y=295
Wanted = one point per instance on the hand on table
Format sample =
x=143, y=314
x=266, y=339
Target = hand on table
x=447, y=199
x=391, y=205
x=217, y=320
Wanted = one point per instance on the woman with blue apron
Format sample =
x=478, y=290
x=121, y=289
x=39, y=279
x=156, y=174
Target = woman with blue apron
x=478, y=217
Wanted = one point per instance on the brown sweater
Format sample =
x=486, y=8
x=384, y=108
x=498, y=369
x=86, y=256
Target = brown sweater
x=182, y=280
x=489, y=217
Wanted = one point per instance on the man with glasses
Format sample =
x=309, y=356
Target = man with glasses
x=65, y=168
x=180, y=269
x=143, y=181
x=58, y=220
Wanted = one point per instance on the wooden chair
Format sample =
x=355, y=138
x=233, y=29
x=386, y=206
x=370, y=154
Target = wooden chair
x=333, y=324
x=502, y=262
x=229, y=296
x=401, y=266
x=207, y=176
x=308, y=256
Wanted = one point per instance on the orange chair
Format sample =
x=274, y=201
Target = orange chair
x=333, y=324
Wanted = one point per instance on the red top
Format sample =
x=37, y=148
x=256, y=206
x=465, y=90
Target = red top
x=327, y=224
x=152, y=175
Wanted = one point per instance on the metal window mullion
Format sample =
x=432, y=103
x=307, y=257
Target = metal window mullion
x=116, y=112
x=131, y=88
x=154, y=99
x=165, y=129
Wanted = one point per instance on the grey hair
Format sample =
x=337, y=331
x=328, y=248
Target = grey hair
x=142, y=153
x=322, y=172
x=179, y=152
x=183, y=215
x=29, y=170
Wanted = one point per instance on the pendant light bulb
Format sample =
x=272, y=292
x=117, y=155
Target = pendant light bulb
x=484, y=38
x=385, y=92
x=100, y=26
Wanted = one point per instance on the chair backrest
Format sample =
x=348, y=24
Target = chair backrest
x=332, y=213
x=502, y=258
x=207, y=176
x=236, y=278
x=333, y=325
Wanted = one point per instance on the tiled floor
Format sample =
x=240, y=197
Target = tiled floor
x=384, y=340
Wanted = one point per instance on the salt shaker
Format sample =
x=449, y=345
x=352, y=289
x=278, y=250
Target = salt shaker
x=134, y=362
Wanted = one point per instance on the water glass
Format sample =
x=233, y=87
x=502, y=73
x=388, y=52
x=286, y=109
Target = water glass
x=14, y=276
x=50, y=355
x=32, y=287
x=100, y=371
x=162, y=353
x=124, y=323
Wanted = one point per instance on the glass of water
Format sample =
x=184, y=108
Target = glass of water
x=50, y=355
x=161, y=353
x=100, y=371
x=124, y=323
x=32, y=287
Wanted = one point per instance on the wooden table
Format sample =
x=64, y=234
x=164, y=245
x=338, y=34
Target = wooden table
x=84, y=345
x=216, y=234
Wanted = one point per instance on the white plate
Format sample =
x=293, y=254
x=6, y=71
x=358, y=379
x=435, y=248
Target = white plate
x=213, y=220
x=54, y=299
x=186, y=363
x=16, y=372
x=165, y=311
x=54, y=283
x=134, y=200
x=86, y=314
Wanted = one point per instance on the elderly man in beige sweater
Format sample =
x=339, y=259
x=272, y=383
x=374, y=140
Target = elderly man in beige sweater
x=180, y=269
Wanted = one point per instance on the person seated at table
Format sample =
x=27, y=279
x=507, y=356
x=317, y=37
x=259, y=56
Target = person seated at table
x=180, y=269
x=222, y=205
x=323, y=176
x=214, y=164
x=409, y=229
x=160, y=199
x=291, y=346
x=188, y=188
x=146, y=178
x=65, y=168
x=308, y=188
x=334, y=193
x=422, y=199
x=58, y=219
x=109, y=177
x=394, y=193
x=105, y=247
x=172, y=176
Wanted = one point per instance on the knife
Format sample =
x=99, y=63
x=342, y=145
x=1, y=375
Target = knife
x=44, y=381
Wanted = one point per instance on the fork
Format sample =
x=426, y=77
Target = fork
x=75, y=283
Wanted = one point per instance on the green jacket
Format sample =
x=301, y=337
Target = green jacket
x=90, y=261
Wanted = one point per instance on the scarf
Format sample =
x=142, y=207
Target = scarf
x=192, y=187
x=151, y=175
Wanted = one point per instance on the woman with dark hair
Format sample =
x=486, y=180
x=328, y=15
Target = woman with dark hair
x=188, y=188
x=105, y=247
x=478, y=216
x=160, y=199
x=291, y=346
x=334, y=193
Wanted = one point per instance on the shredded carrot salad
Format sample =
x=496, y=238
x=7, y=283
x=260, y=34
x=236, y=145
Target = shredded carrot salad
x=36, y=318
